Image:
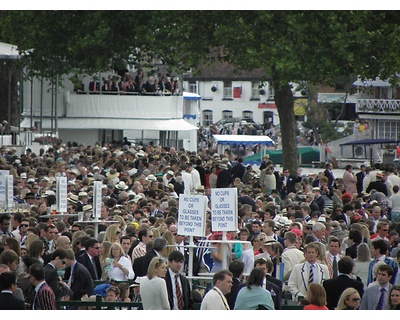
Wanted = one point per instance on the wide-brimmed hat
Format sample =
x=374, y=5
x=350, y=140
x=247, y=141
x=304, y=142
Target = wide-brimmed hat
x=151, y=177
x=23, y=175
x=137, y=198
x=121, y=185
x=82, y=194
x=170, y=172
x=200, y=188
x=132, y=171
x=269, y=241
x=112, y=174
x=140, y=153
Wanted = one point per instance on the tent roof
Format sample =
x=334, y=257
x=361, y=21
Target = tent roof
x=8, y=51
x=369, y=141
x=121, y=124
x=243, y=139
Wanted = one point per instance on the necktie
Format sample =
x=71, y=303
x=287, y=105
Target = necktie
x=178, y=293
x=311, y=275
x=335, y=267
x=381, y=299
x=94, y=269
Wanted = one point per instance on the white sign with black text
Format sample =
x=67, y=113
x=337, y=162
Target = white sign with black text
x=192, y=215
x=224, y=215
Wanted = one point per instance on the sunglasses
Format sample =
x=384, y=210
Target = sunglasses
x=24, y=225
x=355, y=299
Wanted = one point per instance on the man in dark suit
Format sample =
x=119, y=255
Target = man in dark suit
x=360, y=178
x=179, y=293
x=224, y=178
x=77, y=277
x=276, y=292
x=355, y=238
x=318, y=199
x=8, y=285
x=270, y=278
x=90, y=259
x=236, y=267
x=94, y=86
x=158, y=245
x=329, y=174
x=238, y=170
x=335, y=287
x=50, y=271
x=246, y=199
x=202, y=171
x=287, y=183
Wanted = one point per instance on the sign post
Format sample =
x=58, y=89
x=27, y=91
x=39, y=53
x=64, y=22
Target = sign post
x=224, y=215
x=192, y=220
x=62, y=195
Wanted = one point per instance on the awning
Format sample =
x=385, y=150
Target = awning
x=190, y=96
x=116, y=124
x=243, y=139
x=8, y=51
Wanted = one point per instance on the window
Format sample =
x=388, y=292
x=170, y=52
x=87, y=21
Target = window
x=207, y=117
x=255, y=90
x=247, y=114
x=271, y=91
x=192, y=87
x=388, y=130
x=227, y=114
x=227, y=89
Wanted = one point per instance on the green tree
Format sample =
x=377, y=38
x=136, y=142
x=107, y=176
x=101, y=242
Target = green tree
x=291, y=46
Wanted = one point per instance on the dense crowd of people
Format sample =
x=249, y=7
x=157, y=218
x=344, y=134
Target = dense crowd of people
x=325, y=242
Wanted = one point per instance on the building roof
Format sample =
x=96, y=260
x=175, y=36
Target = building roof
x=224, y=71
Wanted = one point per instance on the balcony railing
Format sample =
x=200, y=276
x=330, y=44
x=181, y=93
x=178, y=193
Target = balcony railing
x=378, y=105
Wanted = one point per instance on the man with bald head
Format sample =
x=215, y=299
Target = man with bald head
x=63, y=242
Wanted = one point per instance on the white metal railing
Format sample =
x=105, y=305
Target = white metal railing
x=377, y=105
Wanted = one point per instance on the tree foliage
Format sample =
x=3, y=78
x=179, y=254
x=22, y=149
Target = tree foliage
x=313, y=46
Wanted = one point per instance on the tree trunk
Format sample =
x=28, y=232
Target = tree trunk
x=285, y=105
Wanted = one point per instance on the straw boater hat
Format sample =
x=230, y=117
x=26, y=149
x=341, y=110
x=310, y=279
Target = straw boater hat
x=87, y=207
x=112, y=174
x=171, y=186
x=201, y=188
x=73, y=198
x=223, y=166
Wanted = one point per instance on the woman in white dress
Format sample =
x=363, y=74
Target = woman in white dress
x=118, y=266
x=153, y=289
